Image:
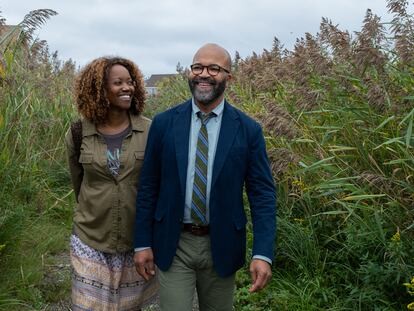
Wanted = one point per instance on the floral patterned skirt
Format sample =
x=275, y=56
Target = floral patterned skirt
x=103, y=281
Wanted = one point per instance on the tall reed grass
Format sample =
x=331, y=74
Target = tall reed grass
x=35, y=95
x=338, y=115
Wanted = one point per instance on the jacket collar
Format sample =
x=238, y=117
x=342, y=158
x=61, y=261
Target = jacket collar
x=89, y=128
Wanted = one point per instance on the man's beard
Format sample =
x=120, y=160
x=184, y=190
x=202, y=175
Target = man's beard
x=206, y=97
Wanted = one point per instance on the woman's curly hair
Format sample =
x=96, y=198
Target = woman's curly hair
x=90, y=88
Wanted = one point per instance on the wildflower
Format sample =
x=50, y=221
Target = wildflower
x=396, y=237
x=299, y=184
x=410, y=287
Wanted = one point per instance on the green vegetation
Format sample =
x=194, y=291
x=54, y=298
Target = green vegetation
x=35, y=216
x=338, y=116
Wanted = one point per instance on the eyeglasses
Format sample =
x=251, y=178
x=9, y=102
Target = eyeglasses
x=213, y=69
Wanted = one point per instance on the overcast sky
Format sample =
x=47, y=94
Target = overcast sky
x=158, y=34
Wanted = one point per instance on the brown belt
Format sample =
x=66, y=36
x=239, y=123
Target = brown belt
x=196, y=229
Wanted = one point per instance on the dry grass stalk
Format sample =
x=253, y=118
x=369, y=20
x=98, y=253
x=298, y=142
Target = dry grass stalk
x=277, y=121
x=368, y=51
x=403, y=30
x=339, y=42
x=281, y=159
x=376, y=95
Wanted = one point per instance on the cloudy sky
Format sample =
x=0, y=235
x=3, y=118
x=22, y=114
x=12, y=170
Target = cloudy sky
x=158, y=34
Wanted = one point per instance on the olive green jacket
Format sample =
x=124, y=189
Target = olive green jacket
x=105, y=214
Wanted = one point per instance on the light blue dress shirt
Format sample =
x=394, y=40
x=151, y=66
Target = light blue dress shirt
x=213, y=130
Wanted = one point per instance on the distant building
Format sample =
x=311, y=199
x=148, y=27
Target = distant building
x=151, y=84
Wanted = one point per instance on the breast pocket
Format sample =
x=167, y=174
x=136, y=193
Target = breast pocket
x=92, y=169
x=139, y=155
x=238, y=152
x=85, y=158
x=138, y=159
x=86, y=161
x=237, y=159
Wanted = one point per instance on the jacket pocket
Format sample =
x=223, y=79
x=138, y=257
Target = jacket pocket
x=159, y=214
x=85, y=158
x=240, y=223
x=138, y=158
x=139, y=155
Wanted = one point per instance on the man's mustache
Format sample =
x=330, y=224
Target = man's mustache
x=206, y=79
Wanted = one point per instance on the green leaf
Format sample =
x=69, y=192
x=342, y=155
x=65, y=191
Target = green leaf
x=409, y=132
x=384, y=122
x=303, y=140
x=362, y=197
x=390, y=141
x=332, y=213
x=341, y=148
x=407, y=117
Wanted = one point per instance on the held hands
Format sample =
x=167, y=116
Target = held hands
x=261, y=273
x=144, y=263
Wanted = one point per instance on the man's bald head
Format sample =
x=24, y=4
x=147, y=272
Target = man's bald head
x=216, y=51
x=209, y=75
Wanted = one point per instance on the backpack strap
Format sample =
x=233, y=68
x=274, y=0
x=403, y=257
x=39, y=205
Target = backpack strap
x=76, y=129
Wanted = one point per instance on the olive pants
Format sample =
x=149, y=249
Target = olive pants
x=192, y=268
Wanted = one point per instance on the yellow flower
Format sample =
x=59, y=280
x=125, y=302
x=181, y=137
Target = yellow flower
x=410, y=287
x=410, y=306
x=396, y=237
x=298, y=183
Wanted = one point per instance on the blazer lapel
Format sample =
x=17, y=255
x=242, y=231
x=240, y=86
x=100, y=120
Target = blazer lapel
x=181, y=129
x=229, y=125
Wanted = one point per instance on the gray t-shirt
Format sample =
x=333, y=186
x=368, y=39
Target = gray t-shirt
x=113, y=152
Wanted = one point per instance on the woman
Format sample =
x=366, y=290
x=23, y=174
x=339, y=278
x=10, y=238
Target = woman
x=110, y=96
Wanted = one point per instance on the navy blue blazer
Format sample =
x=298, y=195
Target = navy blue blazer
x=240, y=161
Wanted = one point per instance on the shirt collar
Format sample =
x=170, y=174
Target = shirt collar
x=218, y=110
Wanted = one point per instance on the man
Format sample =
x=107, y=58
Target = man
x=190, y=216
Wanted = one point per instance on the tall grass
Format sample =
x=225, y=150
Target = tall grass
x=338, y=115
x=35, y=94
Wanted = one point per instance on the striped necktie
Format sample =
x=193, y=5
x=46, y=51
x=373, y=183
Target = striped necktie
x=199, y=197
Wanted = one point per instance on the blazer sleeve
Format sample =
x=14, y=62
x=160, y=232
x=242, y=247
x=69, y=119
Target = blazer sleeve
x=261, y=193
x=148, y=188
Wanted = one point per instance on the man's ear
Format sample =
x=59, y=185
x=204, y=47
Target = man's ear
x=229, y=77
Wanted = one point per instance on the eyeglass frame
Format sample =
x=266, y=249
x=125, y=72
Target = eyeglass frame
x=208, y=70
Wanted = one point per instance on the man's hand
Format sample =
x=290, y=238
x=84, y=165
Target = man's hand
x=144, y=263
x=261, y=273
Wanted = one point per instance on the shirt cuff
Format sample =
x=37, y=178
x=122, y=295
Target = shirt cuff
x=268, y=260
x=138, y=249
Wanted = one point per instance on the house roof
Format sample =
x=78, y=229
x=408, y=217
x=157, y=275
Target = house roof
x=154, y=79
